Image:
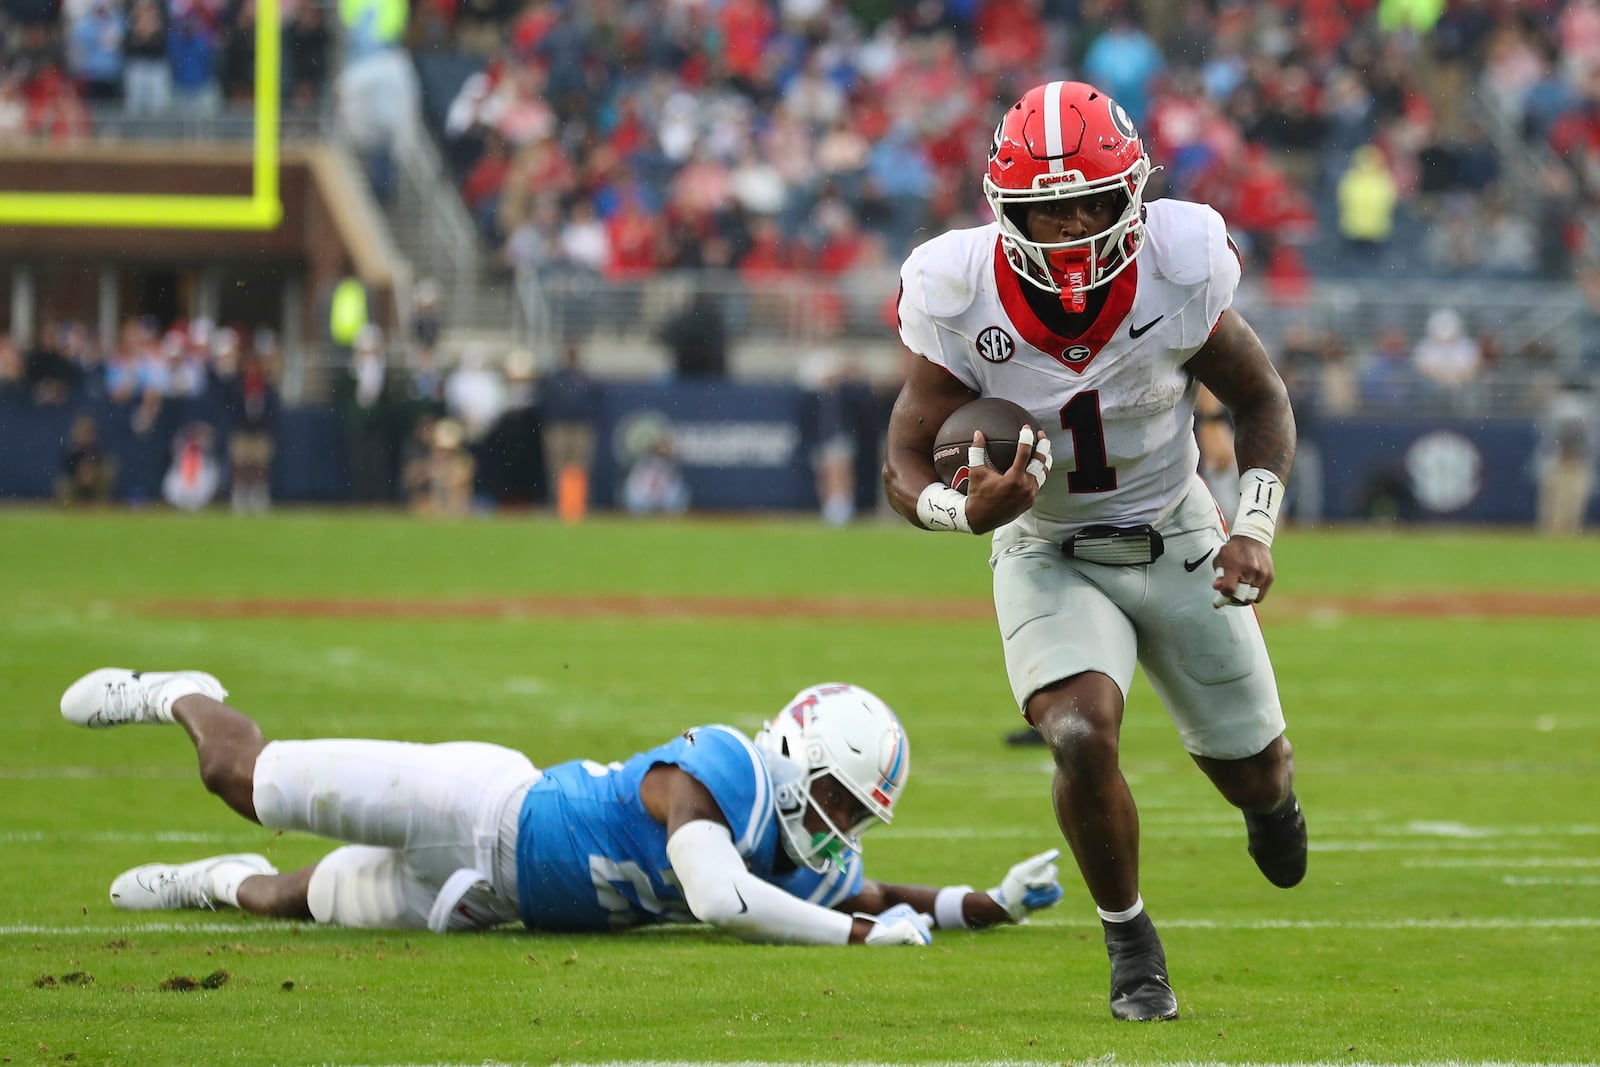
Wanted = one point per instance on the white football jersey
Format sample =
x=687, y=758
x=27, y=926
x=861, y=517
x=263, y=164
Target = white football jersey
x=1115, y=401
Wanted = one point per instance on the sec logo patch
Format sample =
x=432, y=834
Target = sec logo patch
x=995, y=345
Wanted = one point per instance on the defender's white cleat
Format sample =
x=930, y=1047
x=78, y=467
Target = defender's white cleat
x=168, y=886
x=112, y=696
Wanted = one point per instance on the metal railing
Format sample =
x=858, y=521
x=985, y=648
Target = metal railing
x=768, y=324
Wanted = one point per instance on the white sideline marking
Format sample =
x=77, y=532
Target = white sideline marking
x=1110, y=1059
x=1526, y=841
x=1506, y=861
x=78, y=774
x=1571, y=922
x=263, y=927
x=115, y=837
x=268, y=926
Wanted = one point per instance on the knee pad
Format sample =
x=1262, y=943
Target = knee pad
x=365, y=887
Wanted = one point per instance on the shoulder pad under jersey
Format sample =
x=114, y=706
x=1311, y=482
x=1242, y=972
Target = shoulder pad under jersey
x=941, y=275
x=726, y=762
x=1188, y=243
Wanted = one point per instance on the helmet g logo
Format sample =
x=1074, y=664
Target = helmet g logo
x=1120, y=119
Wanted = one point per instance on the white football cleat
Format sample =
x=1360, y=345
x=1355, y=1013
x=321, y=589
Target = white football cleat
x=169, y=886
x=112, y=696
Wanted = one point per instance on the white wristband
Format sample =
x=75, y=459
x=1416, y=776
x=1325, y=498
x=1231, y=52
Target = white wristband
x=1260, y=496
x=942, y=508
x=947, y=907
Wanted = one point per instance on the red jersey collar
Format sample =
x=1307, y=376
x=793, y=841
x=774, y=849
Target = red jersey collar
x=1119, y=301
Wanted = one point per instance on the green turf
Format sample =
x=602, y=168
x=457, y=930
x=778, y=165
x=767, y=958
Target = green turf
x=1449, y=769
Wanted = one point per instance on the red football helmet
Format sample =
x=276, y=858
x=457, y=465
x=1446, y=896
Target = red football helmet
x=1064, y=140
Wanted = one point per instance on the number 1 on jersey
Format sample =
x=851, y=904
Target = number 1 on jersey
x=1080, y=416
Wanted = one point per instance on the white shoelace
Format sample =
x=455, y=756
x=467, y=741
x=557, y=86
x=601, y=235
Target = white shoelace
x=125, y=700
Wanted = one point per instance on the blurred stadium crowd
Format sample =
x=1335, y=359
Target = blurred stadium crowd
x=625, y=137
x=628, y=136
x=774, y=140
x=70, y=68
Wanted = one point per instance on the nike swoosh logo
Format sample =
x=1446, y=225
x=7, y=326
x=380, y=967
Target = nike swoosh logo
x=743, y=907
x=1190, y=566
x=1137, y=332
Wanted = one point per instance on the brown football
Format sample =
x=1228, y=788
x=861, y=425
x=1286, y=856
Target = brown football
x=1000, y=420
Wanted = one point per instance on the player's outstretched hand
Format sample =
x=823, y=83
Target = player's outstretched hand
x=899, y=925
x=994, y=498
x=1030, y=886
x=1244, y=572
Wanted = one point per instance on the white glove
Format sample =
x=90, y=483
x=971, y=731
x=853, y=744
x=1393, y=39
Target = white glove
x=1029, y=886
x=899, y=925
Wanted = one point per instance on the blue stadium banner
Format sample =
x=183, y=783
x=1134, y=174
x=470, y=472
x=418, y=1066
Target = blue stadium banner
x=1428, y=470
x=739, y=446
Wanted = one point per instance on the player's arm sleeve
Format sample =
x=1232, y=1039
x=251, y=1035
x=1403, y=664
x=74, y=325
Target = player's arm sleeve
x=721, y=891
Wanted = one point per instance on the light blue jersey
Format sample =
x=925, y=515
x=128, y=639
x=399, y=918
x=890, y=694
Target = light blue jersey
x=589, y=857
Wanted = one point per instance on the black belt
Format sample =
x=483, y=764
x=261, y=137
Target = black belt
x=1136, y=546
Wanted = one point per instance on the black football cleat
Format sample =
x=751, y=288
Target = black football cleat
x=1278, y=843
x=1025, y=737
x=1140, y=991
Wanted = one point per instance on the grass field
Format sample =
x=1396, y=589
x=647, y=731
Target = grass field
x=1448, y=744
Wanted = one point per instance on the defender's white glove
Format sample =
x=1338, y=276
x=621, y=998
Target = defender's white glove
x=1029, y=886
x=899, y=925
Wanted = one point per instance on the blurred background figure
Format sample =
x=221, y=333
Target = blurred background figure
x=510, y=455
x=475, y=392
x=443, y=478
x=655, y=484
x=251, y=402
x=569, y=407
x=834, y=378
x=1213, y=432
x=194, y=476
x=1564, y=462
x=475, y=396
x=427, y=317
x=377, y=92
x=87, y=469
x=1367, y=195
x=1446, y=357
x=370, y=413
x=48, y=372
x=697, y=338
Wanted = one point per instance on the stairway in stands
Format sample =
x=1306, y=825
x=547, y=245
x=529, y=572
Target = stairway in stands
x=433, y=229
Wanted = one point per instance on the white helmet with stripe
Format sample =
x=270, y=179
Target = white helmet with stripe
x=841, y=732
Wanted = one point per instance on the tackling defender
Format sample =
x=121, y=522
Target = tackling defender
x=758, y=837
x=1104, y=315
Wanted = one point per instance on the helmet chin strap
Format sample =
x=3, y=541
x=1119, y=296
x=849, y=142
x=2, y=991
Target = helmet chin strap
x=1071, y=269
